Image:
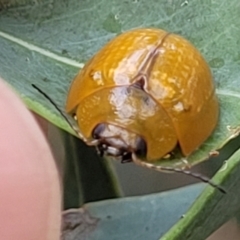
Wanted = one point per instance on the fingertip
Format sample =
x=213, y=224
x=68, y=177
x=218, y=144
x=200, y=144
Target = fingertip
x=30, y=193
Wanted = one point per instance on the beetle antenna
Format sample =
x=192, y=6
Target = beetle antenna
x=58, y=109
x=177, y=170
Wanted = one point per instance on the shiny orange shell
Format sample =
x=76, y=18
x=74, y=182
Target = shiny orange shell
x=175, y=105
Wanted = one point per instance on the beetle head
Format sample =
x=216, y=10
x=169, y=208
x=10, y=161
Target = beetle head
x=119, y=143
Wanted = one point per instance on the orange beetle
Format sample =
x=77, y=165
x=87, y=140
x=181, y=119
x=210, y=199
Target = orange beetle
x=145, y=92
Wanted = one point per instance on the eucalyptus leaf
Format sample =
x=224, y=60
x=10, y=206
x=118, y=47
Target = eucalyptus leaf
x=151, y=217
x=46, y=43
x=212, y=209
x=144, y=217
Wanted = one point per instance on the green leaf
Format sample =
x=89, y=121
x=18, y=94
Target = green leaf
x=151, y=216
x=211, y=209
x=48, y=42
x=145, y=217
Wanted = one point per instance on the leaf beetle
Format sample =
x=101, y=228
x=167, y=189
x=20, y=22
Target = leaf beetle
x=145, y=92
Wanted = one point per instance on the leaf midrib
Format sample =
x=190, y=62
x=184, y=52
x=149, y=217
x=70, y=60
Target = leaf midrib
x=41, y=51
x=228, y=93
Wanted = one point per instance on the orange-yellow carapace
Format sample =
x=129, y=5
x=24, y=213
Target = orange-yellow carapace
x=145, y=92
